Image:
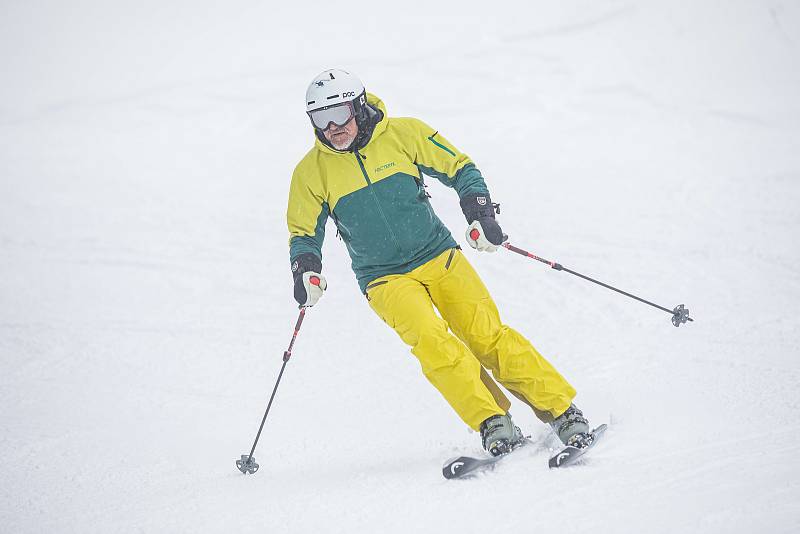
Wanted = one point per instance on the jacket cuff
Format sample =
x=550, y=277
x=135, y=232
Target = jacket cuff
x=477, y=206
x=304, y=263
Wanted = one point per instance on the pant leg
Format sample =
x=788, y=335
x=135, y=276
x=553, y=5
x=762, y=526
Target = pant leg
x=405, y=305
x=499, y=397
x=467, y=306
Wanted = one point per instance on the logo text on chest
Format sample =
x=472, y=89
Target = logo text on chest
x=384, y=167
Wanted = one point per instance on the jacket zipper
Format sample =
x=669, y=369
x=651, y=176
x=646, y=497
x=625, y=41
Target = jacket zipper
x=377, y=202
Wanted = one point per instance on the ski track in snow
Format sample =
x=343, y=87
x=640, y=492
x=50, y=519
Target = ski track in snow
x=146, y=297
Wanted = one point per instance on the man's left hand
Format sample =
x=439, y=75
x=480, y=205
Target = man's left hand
x=485, y=235
x=484, y=232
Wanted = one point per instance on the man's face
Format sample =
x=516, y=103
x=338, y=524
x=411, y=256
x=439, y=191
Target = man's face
x=341, y=136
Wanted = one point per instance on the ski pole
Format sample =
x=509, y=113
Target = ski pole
x=247, y=463
x=680, y=314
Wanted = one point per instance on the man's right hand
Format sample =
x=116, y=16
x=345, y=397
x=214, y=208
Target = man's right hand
x=308, y=289
x=309, y=284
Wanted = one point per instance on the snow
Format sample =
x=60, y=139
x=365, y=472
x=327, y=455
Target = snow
x=145, y=154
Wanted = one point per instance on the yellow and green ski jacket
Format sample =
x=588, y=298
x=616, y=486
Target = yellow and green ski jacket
x=376, y=197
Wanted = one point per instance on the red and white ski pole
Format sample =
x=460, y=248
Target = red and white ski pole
x=247, y=463
x=680, y=314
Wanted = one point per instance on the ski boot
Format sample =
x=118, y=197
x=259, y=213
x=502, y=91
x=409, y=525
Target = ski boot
x=572, y=428
x=500, y=435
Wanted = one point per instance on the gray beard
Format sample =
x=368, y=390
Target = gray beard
x=342, y=146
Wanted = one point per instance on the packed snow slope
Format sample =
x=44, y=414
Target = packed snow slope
x=145, y=155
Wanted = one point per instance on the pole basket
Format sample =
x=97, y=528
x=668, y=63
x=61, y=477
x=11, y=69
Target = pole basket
x=680, y=315
x=247, y=464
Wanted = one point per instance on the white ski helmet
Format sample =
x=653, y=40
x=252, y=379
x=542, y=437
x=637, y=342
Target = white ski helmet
x=334, y=96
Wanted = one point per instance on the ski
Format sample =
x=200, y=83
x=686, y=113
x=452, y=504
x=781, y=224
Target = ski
x=569, y=455
x=466, y=466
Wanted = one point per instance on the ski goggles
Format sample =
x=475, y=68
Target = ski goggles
x=339, y=114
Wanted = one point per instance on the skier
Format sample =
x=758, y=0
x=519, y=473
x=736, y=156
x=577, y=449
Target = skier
x=365, y=172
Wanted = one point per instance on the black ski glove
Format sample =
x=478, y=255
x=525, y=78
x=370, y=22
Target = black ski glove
x=484, y=233
x=309, y=284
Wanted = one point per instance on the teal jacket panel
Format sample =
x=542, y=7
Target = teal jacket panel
x=376, y=197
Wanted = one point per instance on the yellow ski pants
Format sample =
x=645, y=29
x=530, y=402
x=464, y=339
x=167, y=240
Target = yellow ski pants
x=455, y=364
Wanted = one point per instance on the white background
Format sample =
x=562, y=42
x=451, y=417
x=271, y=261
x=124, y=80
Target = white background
x=146, y=300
